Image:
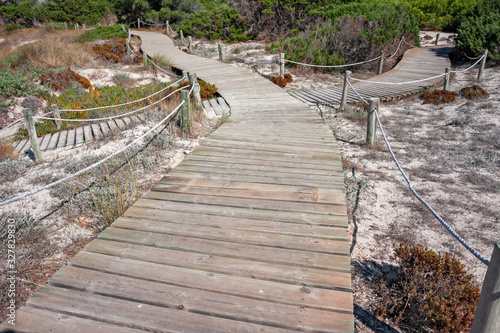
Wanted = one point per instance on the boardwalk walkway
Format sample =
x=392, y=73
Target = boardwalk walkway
x=247, y=234
x=417, y=64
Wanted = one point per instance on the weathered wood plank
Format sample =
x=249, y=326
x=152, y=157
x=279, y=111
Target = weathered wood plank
x=87, y=131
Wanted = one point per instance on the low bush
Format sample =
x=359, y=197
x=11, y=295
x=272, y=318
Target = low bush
x=114, y=49
x=102, y=32
x=207, y=90
x=63, y=79
x=220, y=23
x=437, y=96
x=474, y=92
x=282, y=81
x=11, y=27
x=432, y=292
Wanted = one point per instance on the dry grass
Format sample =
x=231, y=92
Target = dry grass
x=54, y=53
x=7, y=151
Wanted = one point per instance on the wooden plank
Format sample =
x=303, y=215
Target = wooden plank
x=209, y=110
x=223, y=105
x=224, y=284
x=20, y=146
x=132, y=314
x=198, y=301
x=87, y=131
x=246, y=213
x=217, y=108
x=63, y=136
x=239, y=223
x=45, y=140
x=127, y=121
x=251, y=237
x=96, y=131
x=337, y=262
x=71, y=139
x=34, y=320
x=53, y=140
x=261, y=271
x=79, y=138
x=112, y=127
x=318, y=208
x=120, y=124
x=105, y=128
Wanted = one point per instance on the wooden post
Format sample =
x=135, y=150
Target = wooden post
x=196, y=89
x=371, y=121
x=282, y=64
x=487, y=317
x=185, y=110
x=437, y=39
x=446, y=78
x=30, y=124
x=138, y=23
x=184, y=77
x=167, y=26
x=221, y=54
x=483, y=63
x=343, y=102
x=66, y=25
x=57, y=115
x=144, y=58
x=84, y=26
x=181, y=36
x=190, y=45
x=76, y=26
x=381, y=64
x=123, y=28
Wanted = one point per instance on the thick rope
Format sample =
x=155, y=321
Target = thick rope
x=19, y=197
x=471, y=58
x=337, y=66
x=152, y=24
x=433, y=212
x=116, y=116
x=465, y=70
x=397, y=50
x=18, y=120
x=250, y=61
x=400, y=83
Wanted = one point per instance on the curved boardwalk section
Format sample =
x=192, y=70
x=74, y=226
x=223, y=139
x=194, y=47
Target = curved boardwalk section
x=247, y=234
x=417, y=64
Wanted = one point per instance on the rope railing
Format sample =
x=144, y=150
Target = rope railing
x=152, y=24
x=427, y=205
x=397, y=50
x=148, y=58
x=471, y=58
x=115, y=116
x=469, y=68
x=19, y=197
x=17, y=121
x=332, y=66
x=250, y=61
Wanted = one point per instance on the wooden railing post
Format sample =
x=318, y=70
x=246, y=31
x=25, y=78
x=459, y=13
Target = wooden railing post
x=66, y=25
x=185, y=110
x=446, y=78
x=487, y=317
x=167, y=27
x=343, y=101
x=181, y=36
x=185, y=77
x=381, y=64
x=144, y=58
x=282, y=64
x=30, y=124
x=371, y=127
x=138, y=23
x=196, y=89
x=481, y=66
x=221, y=54
x=437, y=39
x=190, y=45
x=57, y=115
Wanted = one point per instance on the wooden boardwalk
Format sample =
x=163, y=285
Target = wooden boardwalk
x=247, y=234
x=417, y=64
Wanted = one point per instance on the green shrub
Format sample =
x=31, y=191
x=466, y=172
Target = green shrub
x=433, y=292
x=11, y=27
x=480, y=29
x=102, y=32
x=221, y=23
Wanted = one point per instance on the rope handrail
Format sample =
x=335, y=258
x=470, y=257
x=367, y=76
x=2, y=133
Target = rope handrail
x=148, y=58
x=18, y=120
x=19, y=197
x=333, y=66
x=399, y=83
x=468, y=68
x=471, y=58
x=122, y=104
x=433, y=212
x=152, y=24
x=116, y=116
x=397, y=50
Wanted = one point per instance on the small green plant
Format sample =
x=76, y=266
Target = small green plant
x=102, y=32
x=11, y=27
